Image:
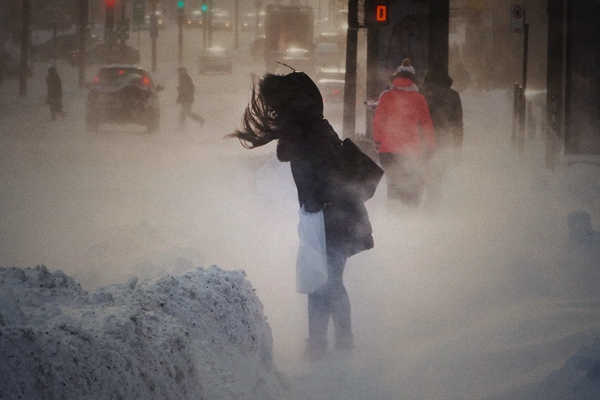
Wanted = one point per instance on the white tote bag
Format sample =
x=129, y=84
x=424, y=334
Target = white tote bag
x=311, y=266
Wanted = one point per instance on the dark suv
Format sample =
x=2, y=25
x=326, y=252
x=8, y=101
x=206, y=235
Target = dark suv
x=123, y=94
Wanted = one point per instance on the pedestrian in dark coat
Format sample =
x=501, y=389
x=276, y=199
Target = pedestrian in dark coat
x=289, y=109
x=55, y=94
x=446, y=111
x=185, y=97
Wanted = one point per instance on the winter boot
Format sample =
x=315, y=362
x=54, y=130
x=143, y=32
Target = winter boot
x=316, y=349
x=344, y=342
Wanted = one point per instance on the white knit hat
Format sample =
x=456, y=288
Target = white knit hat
x=406, y=66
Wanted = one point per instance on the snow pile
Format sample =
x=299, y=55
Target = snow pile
x=200, y=335
x=578, y=379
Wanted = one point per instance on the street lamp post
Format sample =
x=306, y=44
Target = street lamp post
x=153, y=31
x=82, y=31
x=180, y=22
x=349, y=120
x=23, y=70
x=236, y=24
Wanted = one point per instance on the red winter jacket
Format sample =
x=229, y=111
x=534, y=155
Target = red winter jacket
x=402, y=121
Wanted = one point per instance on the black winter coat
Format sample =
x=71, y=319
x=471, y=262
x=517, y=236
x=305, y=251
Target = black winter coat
x=317, y=168
x=445, y=108
x=54, y=84
x=186, y=89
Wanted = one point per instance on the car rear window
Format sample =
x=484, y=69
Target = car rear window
x=122, y=76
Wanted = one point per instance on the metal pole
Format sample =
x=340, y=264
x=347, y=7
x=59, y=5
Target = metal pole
x=256, y=27
x=123, y=18
x=236, y=19
x=521, y=134
x=522, y=98
x=373, y=87
x=531, y=124
x=180, y=38
x=83, y=23
x=153, y=26
x=204, y=29
x=109, y=33
x=349, y=123
x=210, y=31
x=525, y=51
x=23, y=70
x=554, y=79
x=515, y=124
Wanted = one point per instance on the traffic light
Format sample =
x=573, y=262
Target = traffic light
x=110, y=14
x=381, y=12
x=181, y=6
x=204, y=7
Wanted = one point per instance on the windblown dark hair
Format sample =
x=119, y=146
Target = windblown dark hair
x=259, y=123
x=437, y=77
x=279, y=103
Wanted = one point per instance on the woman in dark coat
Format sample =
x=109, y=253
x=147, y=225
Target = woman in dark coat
x=289, y=109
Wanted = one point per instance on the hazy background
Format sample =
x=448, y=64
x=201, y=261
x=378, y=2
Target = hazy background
x=473, y=299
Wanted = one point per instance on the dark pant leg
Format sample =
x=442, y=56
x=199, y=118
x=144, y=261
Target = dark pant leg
x=341, y=312
x=405, y=177
x=52, y=111
x=389, y=163
x=186, y=108
x=318, y=319
x=331, y=300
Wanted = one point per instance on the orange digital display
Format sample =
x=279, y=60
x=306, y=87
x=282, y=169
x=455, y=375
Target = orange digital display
x=381, y=13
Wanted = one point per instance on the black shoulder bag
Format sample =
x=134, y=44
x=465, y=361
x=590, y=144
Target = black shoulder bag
x=362, y=173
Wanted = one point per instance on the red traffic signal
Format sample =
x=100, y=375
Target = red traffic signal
x=109, y=22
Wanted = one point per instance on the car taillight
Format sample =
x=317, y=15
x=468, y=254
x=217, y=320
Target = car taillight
x=146, y=81
x=121, y=72
x=96, y=79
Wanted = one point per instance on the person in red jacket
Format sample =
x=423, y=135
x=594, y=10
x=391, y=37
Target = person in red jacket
x=404, y=137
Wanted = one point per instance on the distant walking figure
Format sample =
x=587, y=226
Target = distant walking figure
x=403, y=135
x=55, y=94
x=447, y=116
x=185, y=97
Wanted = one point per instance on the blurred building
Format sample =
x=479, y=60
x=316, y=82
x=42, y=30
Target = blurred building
x=485, y=54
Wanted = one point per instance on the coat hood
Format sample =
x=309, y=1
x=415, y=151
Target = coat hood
x=437, y=78
x=293, y=96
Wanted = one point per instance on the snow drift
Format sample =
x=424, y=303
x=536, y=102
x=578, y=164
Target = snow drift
x=201, y=335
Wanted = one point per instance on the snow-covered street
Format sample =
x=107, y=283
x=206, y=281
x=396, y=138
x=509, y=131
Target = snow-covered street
x=474, y=300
